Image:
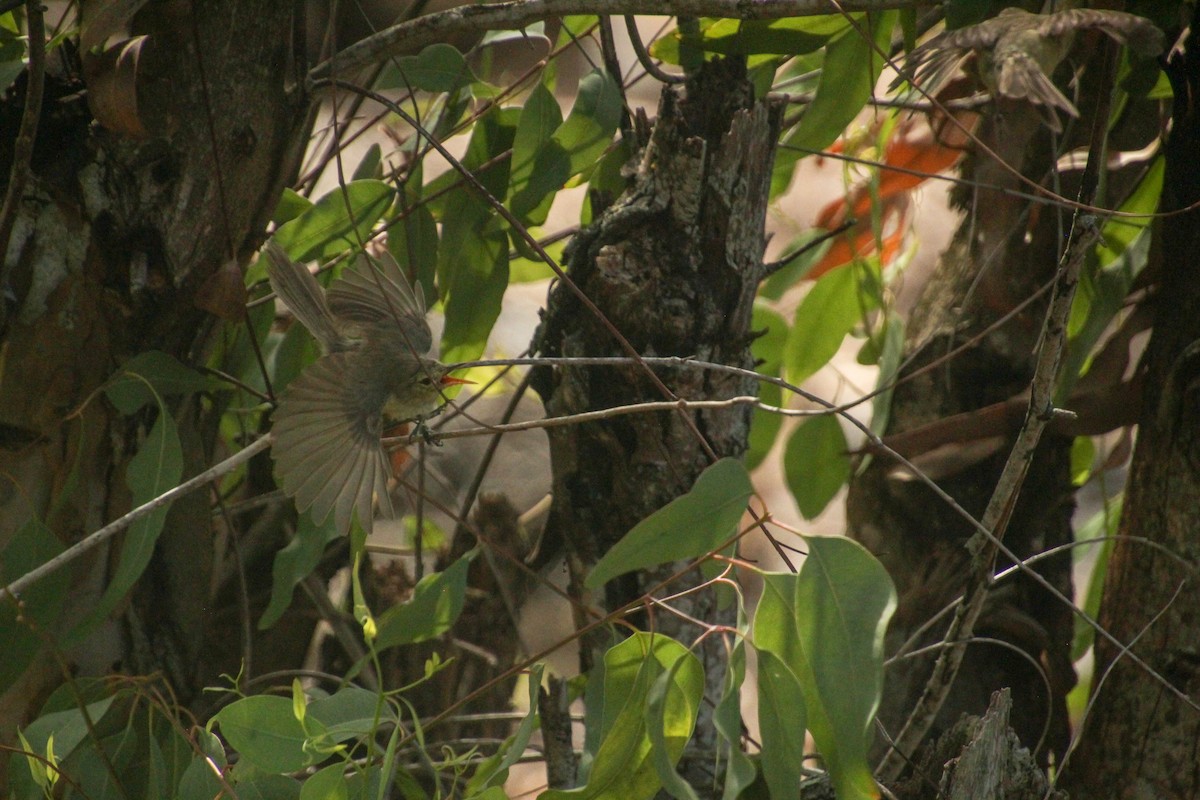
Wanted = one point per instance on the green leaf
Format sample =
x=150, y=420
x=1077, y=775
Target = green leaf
x=156, y=467
x=266, y=787
x=299, y=701
x=291, y=205
x=327, y=784
x=349, y=713
x=13, y=52
x=1083, y=453
x=63, y=737
x=493, y=772
x=588, y=129
x=782, y=725
x=294, y=563
x=790, y=36
x=890, y=360
x=437, y=68
x=473, y=274
x=791, y=273
x=413, y=242
x=524, y=270
x=340, y=220
x=727, y=719
x=540, y=118
x=623, y=766
x=66, y=729
x=107, y=765
x=826, y=624
x=491, y=793
x=169, y=752
x=575, y=146
x=1121, y=255
x=436, y=602
x=606, y=180
x=32, y=545
x=1104, y=522
x=472, y=303
x=689, y=526
x=371, y=165
x=596, y=711
x=908, y=28
x=816, y=463
x=852, y=68
x=827, y=313
x=452, y=113
x=296, y=350
x=267, y=735
x=670, y=719
x=198, y=781
x=767, y=350
x=153, y=372
x=366, y=784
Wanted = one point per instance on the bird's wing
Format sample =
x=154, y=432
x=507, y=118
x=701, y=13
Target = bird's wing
x=373, y=291
x=932, y=67
x=327, y=451
x=297, y=287
x=932, y=63
x=1138, y=33
x=1020, y=77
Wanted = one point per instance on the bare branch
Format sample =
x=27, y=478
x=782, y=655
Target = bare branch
x=411, y=36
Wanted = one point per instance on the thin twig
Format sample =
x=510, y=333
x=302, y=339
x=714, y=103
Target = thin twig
x=94, y=540
x=1125, y=650
x=1024, y=564
x=586, y=416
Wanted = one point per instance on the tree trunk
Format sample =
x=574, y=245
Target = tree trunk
x=674, y=265
x=1150, y=601
x=123, y=243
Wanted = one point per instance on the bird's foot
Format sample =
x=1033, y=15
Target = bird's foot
x=424, y=433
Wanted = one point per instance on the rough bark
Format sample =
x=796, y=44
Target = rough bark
x=1140, y=739
x=121, y=238
x=979, y=758
x=673, y=264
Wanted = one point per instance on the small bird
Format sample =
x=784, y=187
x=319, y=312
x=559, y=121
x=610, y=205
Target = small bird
x=1017, y=52
x=329, y=421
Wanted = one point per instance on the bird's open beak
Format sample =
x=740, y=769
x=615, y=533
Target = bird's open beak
x=448, y=381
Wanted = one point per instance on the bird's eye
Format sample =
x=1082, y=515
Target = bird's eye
x=426, y=381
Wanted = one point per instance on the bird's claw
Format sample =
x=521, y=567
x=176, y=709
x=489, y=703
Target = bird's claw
x=423, y=432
